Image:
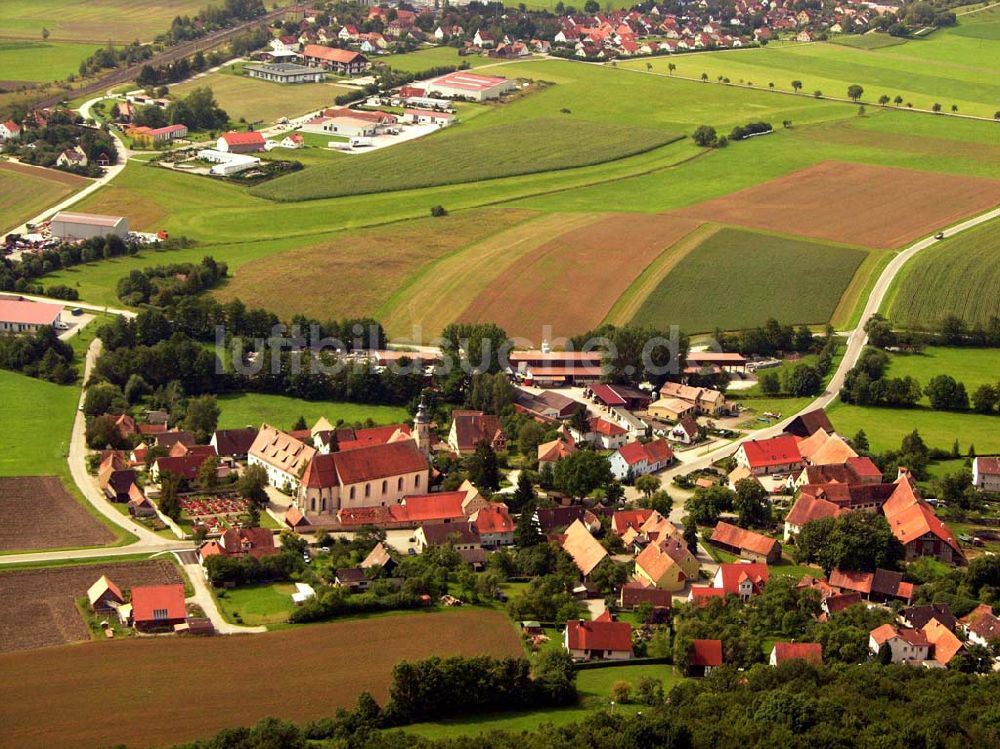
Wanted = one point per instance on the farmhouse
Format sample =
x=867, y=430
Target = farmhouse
x=986, y=474
x=465, y=85
x=240, y=542
x=139, y=505
x=821, y=448
x=157, y=136
x=469, y=428
x=557, y=367
x=670, y=409
x=234, y=142
x=775, y=455
x=282, y=456
x=805, y=510
x=9, y=130
x=460, y=536
x=601, y=639
x=342, y=61
x=747, y=544
x=158, y=606
x=548, y=405
x=585, y=550
x=666, y=564
x=494, y=524
x=376, y=476
x=285, y=72
x=906, y=645
x=704, y=400
x=22, y=316
x=72, y=157
x=917, y=526
x=70, y=226
x=857, y=470
x=637, y=459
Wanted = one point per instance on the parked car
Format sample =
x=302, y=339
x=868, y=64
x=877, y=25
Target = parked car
x=76, y=311
x=939, y=235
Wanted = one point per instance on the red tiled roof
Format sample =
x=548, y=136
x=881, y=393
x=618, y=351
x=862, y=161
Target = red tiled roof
x=493, y=518
x=331, y=54
x=803, y=651
x=622, y=520
x=740, y=538
x=735, y=573
x=910, y=517
x=772, y=452
x=808, y=508
x=599, y=635
x=860, y=582
x=184, y=466
x=606, y=395
x=607, y=428
x=705, y=653
x=422, y=508
x=243, y=139
x=165, y=600
x=28, y=313
x=378, y=461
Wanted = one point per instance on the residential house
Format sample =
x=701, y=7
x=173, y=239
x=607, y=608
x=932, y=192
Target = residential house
x=637, y=459
x=139, y=505
x=380, y=475
x=104, y=596
x=858, y=470
x=805, y=510
x=469, y=428
x=634, y=593
x=72, y=157
x=494, y=525
x=9, y=130
x=353, y=578
x=986, y=474
x=981, y=626
x=550, y=453
x=944, y=644
x=741, y=579
x=601, y=432
x=622, y=520
x=671, y=409
x=283, y=457
x=917, y=526
x=167, y=440
x=686, y=431
x=703, y=657
x=804, y=425
x=240, y=542
x=183, y=467
x=158, y=606
x=666, y=564
x=460, y=536
x=553, y=519
x=379, y=557
x=585, y=550
x=810, y=652
x=766, y=457
x=233, y=443
x=906, y=645
x=601, y=639
x=917, y=617
x=879, y=586
x=700, y=595
x=747, y=544
x=705, y=401
x=343, y=61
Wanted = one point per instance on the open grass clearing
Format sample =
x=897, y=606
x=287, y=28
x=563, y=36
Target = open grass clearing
x=738, y=279
x=257, y=604
x=167, y=690
x=848, y=202
x=254, y=409
x=37, y=419
x=459, y=155
x=27, y=191
x=867, y=41
x=38, y=61
x=957, y=276
x=432, y=57
x=254, y=100
x=886, y=427
x=972, y=366
x=356, y=272
x=569, y=284
x=95, y=22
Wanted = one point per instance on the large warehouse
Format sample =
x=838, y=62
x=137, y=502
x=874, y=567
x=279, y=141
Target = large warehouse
x=67, y=225
x=23, y=316
x=468, y=86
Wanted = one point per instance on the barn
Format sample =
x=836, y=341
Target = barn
x=74, y=226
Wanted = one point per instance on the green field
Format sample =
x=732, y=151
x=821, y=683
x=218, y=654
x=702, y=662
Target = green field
x=593, y=684
x=958, y=276
x=886, y=427
x=96, y=21
x=450, y=157
x=972, y=366
x=738, y=279
x=37, y=419
x=253, y=409
x=425, y=59
x=25, y=195
x=257, y=604
x=867, y=41
x=257, y=101
x=39, y=61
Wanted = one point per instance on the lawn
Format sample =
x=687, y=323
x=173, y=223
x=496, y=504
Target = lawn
x=886, y=427
x=37, y=419
x=458, y=155
x=593, y=684
x=971, y=366
x=39, y=61
x=732, y=281
x=282, y=411
x=957, y=276
x=257, y=101
x=257, y=604
x=25, y=192
x=95, y=22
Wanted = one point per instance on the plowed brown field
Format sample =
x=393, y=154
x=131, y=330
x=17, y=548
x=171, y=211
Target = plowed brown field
x=156, y=691
x=39, y=605
x=36, y=512
x=872, y=206
x=569, y=284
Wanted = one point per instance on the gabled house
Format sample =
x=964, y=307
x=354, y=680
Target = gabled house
x=805, y=510
x=494, y=525
x=764, y=457
x=104, y=596
x=550, y=453
x=810, y=652
x=743, y=580
x=633, y=593
x=685, y=431
x=379, y=557
x=281, y=455
x=666, y=564
x=585, y=550
x=747, y=544
x=469, y=428
x=601, y=432
x=879, y=586
x=598, y=639
x=240, y=542
x=703, y=657
x=233, y=443
x=460, y=536
x=139, y=505
x=906, y=645
x=981, y=626
x=638, y=459
x=986, y=474
x=917, y=526
x=158, y=606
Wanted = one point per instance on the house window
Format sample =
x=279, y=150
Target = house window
x=399, y=484
x=159, y=613
x=416, y=482
x=312, y=504
x=385, y=487
x=352, y=492
x=368, y=490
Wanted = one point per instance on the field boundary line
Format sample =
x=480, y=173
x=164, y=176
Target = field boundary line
x=630, y=302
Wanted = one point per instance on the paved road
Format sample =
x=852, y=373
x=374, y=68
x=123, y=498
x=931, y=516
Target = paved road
x=82, y=305
x=204, y=598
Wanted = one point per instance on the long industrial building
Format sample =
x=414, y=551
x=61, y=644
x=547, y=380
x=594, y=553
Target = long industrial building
x=74, y=226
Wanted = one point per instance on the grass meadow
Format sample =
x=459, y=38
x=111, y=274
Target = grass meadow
x=254, y=409
x=972, y=366
x=38, y=61
x=95, y=22
x=958, y=276
x=37, y=419
x=738, y=279
x=257, y=101
x=467, y=156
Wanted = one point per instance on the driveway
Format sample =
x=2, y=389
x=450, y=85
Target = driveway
x=204, y=598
